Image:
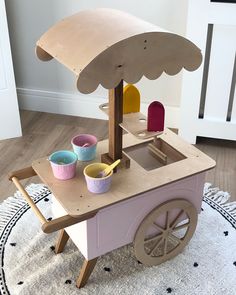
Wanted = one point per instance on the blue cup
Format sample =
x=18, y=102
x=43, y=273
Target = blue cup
x=84, y=145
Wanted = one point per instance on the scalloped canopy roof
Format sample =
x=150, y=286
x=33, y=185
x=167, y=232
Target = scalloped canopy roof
x=104, y=46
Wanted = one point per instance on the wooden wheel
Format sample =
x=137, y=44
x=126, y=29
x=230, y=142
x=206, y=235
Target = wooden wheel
x=165, y=231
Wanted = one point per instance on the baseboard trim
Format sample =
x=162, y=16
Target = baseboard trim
x=78, y=105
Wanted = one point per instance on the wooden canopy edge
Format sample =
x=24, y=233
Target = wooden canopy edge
x=167, y=53
x=42, y=54
x=105, y=46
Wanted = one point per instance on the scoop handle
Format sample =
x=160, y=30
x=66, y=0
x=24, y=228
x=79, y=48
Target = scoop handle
x=111, y=167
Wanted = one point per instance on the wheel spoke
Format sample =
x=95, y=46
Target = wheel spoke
x=165, y=247
x=158, y=226
x=152, y=239
x=175, y=222
x=181, y=226
x=179, y=241
x=155, y=247
x=167, y=220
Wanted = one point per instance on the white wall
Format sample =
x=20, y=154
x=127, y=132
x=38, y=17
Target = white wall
x=28, y=20
x=10, y=125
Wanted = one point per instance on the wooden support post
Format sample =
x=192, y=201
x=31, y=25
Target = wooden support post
x=115, y=118
x=85, y=272
x=61, y=242
x=115, y=131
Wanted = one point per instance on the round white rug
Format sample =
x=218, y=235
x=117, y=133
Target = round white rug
x=29, y=266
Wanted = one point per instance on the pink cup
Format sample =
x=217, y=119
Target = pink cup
x=63, y=164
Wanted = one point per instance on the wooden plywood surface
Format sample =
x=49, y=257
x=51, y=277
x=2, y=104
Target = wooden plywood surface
x=104, y=46
x=76, y=200
x=134, y=123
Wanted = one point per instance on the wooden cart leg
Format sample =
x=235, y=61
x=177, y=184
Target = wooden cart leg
x=62, y=240
x=85, y=272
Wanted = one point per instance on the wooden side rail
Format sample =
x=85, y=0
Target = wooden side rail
x=47, y=226
x=29, y=200
x=64, y=221
x=22, y=174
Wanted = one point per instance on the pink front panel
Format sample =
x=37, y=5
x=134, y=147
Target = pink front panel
x=77, y=232
x=116, y=225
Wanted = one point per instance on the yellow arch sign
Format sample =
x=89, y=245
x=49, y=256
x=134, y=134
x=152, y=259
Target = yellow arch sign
x=131, y=99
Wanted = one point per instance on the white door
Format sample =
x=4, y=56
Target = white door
x=10, y=125
x=208, y=103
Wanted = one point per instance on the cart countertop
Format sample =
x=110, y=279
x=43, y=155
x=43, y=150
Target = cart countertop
x=126, y=183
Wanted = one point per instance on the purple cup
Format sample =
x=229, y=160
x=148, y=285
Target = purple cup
x=63, y=164
x=97, y=185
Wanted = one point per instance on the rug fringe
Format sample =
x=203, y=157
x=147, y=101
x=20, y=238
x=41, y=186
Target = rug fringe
x=221, y=198
x=12, y=205
x=230, y=208
x=215, y=194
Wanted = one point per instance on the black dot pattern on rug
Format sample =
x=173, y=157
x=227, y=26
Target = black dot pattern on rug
x=68, y=282
x=226, y=233
x=20, y=283
x=195, y=264
x=234, y=263
x=202, y=209
x=49, y=219
x=107, y=269
x=52, y=248
x=15, y=214
x=46, y=199
x=13, y=244
x=139, y=262
x=168, y=290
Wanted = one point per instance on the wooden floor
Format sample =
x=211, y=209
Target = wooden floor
x=44, y=133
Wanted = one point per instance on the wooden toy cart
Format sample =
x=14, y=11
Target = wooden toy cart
x=155, y=201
